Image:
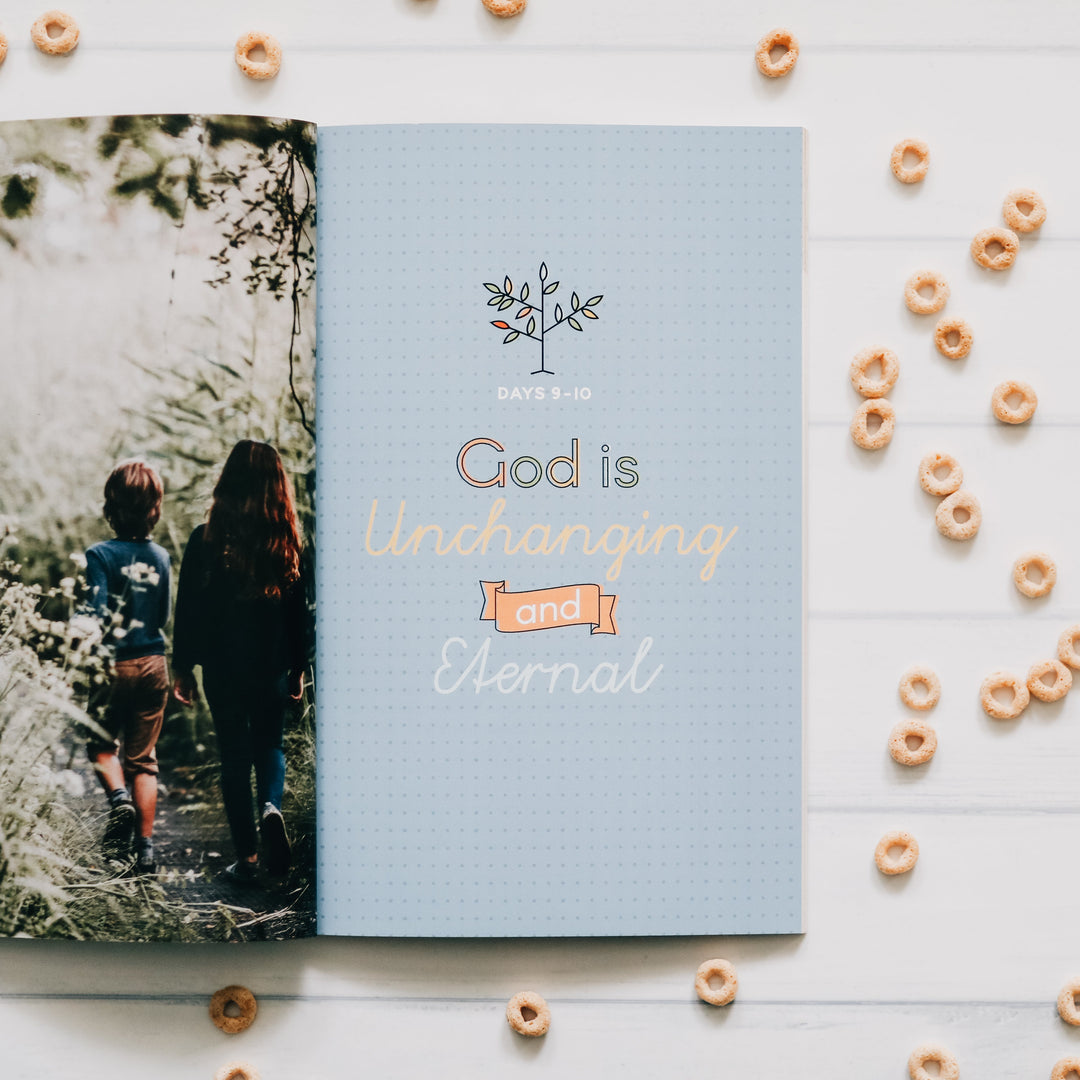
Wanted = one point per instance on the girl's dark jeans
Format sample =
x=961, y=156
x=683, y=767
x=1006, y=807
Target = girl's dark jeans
x=249, y=718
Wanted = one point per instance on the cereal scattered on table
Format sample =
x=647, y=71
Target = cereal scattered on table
x=1067, y=651
x=958, y=516
x=528, y=1014
x=1043, y=565
x=923, y=279
x=928, y=680
x=244, y=1001
x=949, y=328
x=1039, y=688
x=864, y=360
x=782, y=39
x=860, y=426
x=505, y=9
x=64, y=42
x=265, y=68
x=724, y=970
x=1024, y=210
x=940, y=486
x=910, y=174
x=1004, y=680
x=907, y=857
x=948, y=1069
x=912, y=728
x=1066, y=1003
x=995, y=249
x=1023, y=410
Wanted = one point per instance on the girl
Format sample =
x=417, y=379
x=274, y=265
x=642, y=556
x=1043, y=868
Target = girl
x=242, y=613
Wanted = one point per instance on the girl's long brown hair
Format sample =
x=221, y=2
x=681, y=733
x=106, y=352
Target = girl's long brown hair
x=252, y=527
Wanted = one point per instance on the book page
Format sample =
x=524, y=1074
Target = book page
x=156, y=528
x=560, y=513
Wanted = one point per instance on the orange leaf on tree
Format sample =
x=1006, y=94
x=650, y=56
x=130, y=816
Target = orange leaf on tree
x=501, y=325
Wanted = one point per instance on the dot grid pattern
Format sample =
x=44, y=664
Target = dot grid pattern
x=478, y=813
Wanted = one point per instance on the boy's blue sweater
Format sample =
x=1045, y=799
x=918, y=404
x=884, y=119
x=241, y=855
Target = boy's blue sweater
x=132, y=577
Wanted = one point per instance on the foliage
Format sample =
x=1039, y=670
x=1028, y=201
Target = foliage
x=255, y=175
x=50, y=883
x=504, y=298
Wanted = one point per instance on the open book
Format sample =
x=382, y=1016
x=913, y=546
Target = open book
x=558, y=662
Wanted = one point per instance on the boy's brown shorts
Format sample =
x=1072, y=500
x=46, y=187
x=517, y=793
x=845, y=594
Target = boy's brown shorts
x=131, y=709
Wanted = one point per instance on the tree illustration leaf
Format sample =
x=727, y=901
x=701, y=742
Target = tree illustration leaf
x=549, y=289
x=495, y=300
x=510, y=337
x=594, y=300
x=523, y=312
x=589, y=314
x=505, y=303
x=531, y=326
x=574, y=323
x=525, y=292
x=558, y=312
x=543, y=271
x=575, y=303
x=508, y=286
x=500, y=324
x=492, y=288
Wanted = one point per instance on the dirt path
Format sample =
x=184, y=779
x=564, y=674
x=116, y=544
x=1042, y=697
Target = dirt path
x=192, y=846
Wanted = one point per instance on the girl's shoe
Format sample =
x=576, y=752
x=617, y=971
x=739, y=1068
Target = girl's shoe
x=243, y=872
x=276, y=847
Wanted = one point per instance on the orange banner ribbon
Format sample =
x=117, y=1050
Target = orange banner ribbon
x=546, y=609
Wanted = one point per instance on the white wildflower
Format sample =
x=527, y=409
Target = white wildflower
x=67, y=587
x=79, y=559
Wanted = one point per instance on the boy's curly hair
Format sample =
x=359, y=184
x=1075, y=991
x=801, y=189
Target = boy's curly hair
x=133, y=496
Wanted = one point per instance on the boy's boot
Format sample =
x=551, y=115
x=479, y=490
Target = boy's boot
x=121, y=824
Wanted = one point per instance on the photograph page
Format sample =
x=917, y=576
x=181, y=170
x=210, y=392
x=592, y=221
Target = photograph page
x=157, y=480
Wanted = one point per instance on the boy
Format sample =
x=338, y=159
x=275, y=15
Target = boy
x=128, y=582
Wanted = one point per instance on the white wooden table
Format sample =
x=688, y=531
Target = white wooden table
x=972, y=947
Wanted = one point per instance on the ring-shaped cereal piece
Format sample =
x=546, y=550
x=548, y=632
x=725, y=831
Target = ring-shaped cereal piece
x=1004, y=680
x=3, y=46
x=237, y=1070
x=258, y=69
x=1044, y=564
x=528, y=1001
x=948, y=1069
x=861, y=433
x=1065, y=1066
x=64, y=42
x=1067, y=651
x=1019, y=414
x=917, y=676
x=1066, y=1003
x=901, y=865
x=1017, y=219
x=243, y=999
x=912, y=728
x=946, y=520
x=505, y=8
x=1006, y=239
x=724, y=994
x=925, y=305
x=948, y=326
x=914, y=173
x=890, y=371
x=778, y=37
x=940, y=486
x=1044, y=691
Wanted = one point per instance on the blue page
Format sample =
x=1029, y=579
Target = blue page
x=560, y=517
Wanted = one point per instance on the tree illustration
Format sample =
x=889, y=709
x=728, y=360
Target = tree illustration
x=504, y=298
